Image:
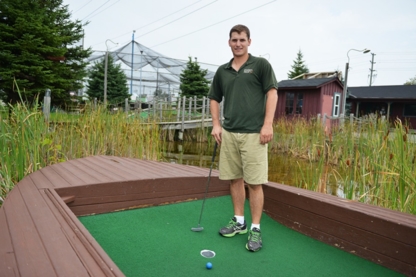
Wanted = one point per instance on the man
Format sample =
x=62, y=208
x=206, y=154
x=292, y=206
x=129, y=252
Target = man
x=249, y=88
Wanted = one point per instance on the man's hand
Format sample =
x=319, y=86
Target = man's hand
x=266, y=134
x=216, y=133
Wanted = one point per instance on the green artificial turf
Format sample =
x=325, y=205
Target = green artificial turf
x=158, y=241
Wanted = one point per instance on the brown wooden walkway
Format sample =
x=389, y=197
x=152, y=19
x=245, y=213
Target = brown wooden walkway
x=40, y=234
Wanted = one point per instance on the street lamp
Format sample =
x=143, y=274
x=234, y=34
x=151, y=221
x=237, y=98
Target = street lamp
x=105, y=71
x=364, y=51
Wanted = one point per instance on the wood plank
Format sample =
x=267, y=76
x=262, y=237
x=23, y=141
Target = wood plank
x=144, y=186
x=93, y=165
x=109, y=167
x=385, y=222
x=363, y=208
x=123, y=195
x=57, y=179
x=377, y=258
x=343, y=231
x=50, y=233
x=102, y=260
x=86, y=172
x=153, y=168
x=134, y=204
x=73, y=174
x=7, y=259
x=31, y=256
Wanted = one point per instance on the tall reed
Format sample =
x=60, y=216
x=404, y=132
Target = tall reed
x=369, y=161
x=29, y=143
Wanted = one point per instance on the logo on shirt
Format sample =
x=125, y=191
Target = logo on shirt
x=247, y=70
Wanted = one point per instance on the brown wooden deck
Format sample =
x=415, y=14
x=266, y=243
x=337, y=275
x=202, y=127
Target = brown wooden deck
x=40, y=234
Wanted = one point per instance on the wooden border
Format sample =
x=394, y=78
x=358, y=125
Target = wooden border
x=41, y=236
x=380, y=235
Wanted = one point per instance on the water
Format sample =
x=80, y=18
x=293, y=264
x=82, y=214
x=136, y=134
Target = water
x=283, y=169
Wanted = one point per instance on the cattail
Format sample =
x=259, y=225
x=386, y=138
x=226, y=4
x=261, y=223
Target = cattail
x=319, y=152
x=405, y=137
x=348, y=162
x=391, y=156
x=407, y=129
x=387, y=135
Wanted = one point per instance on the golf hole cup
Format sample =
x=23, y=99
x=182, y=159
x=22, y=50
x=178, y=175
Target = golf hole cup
x=209, y=265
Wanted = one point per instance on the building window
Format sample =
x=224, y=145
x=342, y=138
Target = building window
x=294, y=103
x=289, y=102
x=409, y=110
x=336, y=104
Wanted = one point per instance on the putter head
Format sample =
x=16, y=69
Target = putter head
x=197, y=229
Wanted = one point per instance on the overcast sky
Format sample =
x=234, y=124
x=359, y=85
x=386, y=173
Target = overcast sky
x=323, y=30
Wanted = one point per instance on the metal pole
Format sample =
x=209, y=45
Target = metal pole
x=371, y=70
x=344, y=101
x=132, y=59
x=141, y=70
x=105, y=70
x=105, y=77
x=364, y=51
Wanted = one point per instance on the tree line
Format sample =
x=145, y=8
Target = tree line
x=41, y=48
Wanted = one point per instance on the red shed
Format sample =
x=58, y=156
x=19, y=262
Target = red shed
x=309, y=97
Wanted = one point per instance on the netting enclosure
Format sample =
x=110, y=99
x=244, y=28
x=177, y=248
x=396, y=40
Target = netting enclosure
x=148, y=71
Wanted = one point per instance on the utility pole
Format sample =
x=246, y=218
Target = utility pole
x=371, y=69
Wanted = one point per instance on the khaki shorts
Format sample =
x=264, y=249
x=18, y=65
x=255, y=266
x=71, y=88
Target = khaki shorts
x=242, y=156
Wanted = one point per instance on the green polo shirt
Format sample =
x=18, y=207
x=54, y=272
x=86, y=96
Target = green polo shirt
x=244, y=93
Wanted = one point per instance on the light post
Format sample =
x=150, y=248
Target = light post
x=105, y=71
x=141, y=70
x=364, y=51
x=132, y=60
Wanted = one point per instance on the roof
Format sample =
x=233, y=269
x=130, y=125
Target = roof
x=383, y=92
x=307, y=83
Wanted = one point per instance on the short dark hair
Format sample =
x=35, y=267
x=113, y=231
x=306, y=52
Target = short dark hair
x=240, y=28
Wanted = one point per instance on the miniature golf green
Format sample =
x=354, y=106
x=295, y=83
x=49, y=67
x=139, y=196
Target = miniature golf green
x=158, y=241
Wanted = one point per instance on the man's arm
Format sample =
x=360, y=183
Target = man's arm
x=216, y=123
x=266, y=133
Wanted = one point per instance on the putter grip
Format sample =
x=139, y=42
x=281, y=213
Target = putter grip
x=215, y=151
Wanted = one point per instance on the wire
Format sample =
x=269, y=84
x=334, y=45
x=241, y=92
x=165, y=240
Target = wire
x=178, y=18
x=105, y=9
x=215, y=23
x=154, y=21
x=96, y=9
x=83, y=6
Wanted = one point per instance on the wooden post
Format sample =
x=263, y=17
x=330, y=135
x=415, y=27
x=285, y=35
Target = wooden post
x=190, y=108
x=183, y=119
x=203, y=114
x=47, y=105
x=126, y=106
x=195, y=110
x=178, y=109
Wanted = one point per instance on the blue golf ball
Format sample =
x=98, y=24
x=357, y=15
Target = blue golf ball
x=209, y=265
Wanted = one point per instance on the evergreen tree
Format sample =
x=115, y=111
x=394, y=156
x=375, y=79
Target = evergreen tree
x=298, y=67
x=38, y=52
x=193, y=82
x=117, y=90
x=411, y=81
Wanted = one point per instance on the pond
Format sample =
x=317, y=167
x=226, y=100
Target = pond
x=283, y=168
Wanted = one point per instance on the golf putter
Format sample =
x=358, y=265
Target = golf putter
x=200, y=228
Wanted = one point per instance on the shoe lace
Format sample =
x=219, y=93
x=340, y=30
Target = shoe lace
x=231, y=224
x=254, y=236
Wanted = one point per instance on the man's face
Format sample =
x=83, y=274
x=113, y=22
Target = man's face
x=239, y=43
